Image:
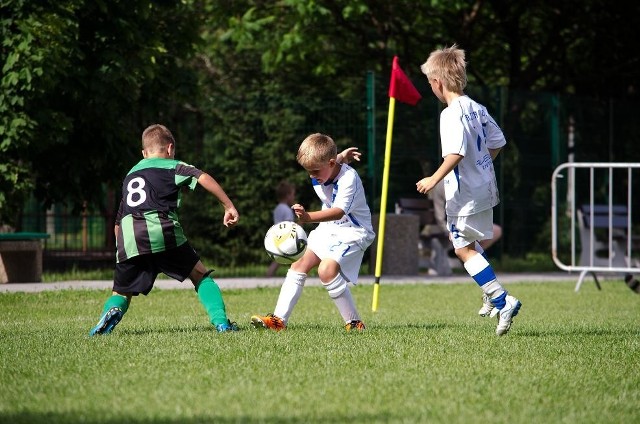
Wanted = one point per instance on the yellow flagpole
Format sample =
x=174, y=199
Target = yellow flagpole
x=383, y=203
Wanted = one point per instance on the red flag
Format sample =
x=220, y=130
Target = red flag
x=401, y=87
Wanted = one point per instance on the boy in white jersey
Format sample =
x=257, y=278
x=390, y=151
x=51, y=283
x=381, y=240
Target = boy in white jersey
x=470, y=141
x=337, y=245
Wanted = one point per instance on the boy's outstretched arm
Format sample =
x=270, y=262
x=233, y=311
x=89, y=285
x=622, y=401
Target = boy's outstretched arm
x=349, y=154
x=450, y=161
x=231, y=215
x=331, y=214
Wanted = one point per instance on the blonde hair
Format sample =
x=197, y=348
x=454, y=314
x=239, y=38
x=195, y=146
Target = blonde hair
x=316, y=149
x=447, y=65
x=156, y=138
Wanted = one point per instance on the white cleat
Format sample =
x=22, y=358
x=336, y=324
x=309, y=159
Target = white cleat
x=505, y=318
x=487, y=307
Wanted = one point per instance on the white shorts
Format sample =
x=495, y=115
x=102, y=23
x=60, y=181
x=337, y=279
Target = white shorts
x=469, y=229
x=342, y=244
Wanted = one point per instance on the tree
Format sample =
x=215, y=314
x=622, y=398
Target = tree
x=80, y=80
x=37, y=48
x=321, y=49
x=241, y=83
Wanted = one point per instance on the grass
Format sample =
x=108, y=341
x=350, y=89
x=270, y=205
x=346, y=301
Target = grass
x=425, y=357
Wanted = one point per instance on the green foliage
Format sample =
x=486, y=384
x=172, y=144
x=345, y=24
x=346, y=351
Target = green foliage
x=80, y=80
x=240, y=83
x=35, y=50
x=567, y=358
x=530, y=262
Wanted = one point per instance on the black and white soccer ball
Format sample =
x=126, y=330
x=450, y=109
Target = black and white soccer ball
x=285, y=242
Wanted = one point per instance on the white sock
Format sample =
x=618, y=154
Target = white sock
x=290, y=292
x=341, y=295
x=481, y=271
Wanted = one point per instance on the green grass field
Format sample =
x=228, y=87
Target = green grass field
x=425, y=357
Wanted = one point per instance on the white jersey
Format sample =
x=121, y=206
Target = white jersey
x=467, y=129
x=347, y=193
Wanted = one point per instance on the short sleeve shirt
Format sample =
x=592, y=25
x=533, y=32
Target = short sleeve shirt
x=467, y=129
x=148, y=215
x=346, y=192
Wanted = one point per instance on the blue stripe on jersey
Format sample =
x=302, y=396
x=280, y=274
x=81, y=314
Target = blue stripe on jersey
x=354, y=220
x=485, y=276
x=314, y=182
x=456, y=172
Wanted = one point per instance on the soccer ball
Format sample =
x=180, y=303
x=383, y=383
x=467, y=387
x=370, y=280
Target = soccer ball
x=285, y=242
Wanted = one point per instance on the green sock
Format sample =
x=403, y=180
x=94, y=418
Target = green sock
x=116, y=301
x=211, y=298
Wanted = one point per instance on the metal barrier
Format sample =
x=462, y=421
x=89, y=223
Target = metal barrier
x=599, y=210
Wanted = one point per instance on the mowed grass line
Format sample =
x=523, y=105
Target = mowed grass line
x=425, y=357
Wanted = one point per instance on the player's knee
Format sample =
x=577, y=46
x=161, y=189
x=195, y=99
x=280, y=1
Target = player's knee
x=464, y=253
x=306, y=263
x=327, y=270
x=336, y=286
x=197, y=276
x=198, y=273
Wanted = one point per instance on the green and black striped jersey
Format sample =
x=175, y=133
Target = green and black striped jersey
x=148, y=213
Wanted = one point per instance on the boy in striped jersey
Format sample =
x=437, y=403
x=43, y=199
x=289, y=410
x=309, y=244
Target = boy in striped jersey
x=470, y=141
x=149, y=237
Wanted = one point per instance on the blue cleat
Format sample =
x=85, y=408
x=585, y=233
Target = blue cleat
x=228, y=327
x=109, y=320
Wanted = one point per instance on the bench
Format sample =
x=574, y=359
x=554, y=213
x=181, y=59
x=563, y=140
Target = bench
x=594, y=226
x=434, y=241
x=21, y=257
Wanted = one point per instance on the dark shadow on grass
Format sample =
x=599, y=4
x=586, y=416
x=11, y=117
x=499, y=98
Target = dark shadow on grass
x=164, y=330
x=417, y=326
x=71, y=418
x=370, y=327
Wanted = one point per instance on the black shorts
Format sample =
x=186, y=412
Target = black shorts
x=137, y=275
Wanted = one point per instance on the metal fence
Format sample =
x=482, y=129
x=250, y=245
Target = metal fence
x=594, y=219
x=76, y=238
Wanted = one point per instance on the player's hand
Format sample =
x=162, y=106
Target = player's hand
x=348, y=155
x=425, y=185
x=301, y=213
x=231, y=217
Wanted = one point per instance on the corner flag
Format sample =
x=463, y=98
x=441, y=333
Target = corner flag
x=403, y=90
x=400, y=87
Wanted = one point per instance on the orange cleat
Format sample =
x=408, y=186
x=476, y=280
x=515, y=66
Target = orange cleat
x=269, y=321
x=356, y=324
